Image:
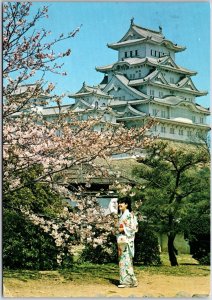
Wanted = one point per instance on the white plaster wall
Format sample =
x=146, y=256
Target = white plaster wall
x=159, y=109
x=168, y=75
x=140, y=48
x=162, y=49
x=177, y=112
x=137, y=72
x=184, y=112
x=144, y=50
x=176, y=135
x=185, y=96
x=166, y=92
x=109, y=118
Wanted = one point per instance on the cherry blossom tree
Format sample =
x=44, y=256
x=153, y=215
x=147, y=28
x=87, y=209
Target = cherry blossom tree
x=57, y=146
x=28, y=138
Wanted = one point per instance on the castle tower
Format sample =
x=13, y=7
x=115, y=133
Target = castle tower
x=146, y=81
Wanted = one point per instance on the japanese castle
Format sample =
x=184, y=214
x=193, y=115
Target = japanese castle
x=144, y=82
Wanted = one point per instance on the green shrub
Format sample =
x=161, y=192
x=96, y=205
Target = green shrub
x=146, y=249
x=200, y=248
x=205, y=260
x=26, y=246
x=146, y=245
x=100, y=254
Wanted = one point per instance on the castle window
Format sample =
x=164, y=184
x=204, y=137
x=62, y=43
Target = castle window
x=133, y=76
x=201, y=120
x=180, y=132
x=131, y=53
x=136, y=52
x=189, y=133
x=155, y=128
x=130, y=76
x=163, y=114
x=161, y=94
x=172, y=130
x=154, y=53
x=171, y=80
x=163, y=129
x=154, y=111
x=193, y=119
x=125, y=54
x=152, y=92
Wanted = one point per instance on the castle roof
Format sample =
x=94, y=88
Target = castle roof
x=165, y=62
x=156, y=78
x=56, y=110
x=174, y=101
x=139, y=35
x=118, y=77
x=88, y=91
x=182, y=121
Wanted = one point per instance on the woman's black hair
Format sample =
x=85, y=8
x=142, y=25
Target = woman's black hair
x=126, y=200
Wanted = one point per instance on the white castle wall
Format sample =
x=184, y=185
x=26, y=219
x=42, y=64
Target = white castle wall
x=144, y=50
x=141, y=51
x=178, y=132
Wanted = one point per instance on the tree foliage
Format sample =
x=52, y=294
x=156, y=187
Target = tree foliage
x=197, y=221
x=171, y=176
x=147, y=250
x=25, y=245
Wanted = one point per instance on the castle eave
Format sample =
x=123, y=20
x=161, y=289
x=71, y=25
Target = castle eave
x=118, y=45
x=136, y=61
x=184, y=123
x=148, y=39
x=120, y=119
x=139, y=82
x=79, y=95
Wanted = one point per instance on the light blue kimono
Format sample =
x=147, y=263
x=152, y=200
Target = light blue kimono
x=126, y=251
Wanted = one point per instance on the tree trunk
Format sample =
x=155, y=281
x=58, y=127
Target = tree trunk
x=172, y=250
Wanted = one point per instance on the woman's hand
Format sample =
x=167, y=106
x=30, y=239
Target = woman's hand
x=121, y=228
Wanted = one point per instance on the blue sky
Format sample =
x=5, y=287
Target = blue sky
x=184, y=23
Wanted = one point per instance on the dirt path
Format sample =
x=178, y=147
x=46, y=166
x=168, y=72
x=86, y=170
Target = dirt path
x=149, y=286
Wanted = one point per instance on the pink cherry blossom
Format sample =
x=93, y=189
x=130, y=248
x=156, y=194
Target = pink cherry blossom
x=60, y=146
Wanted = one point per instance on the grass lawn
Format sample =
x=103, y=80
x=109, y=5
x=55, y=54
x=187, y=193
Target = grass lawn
x=100, y=273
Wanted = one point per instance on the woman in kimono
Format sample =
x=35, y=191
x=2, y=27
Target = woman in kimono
x=127, y=227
